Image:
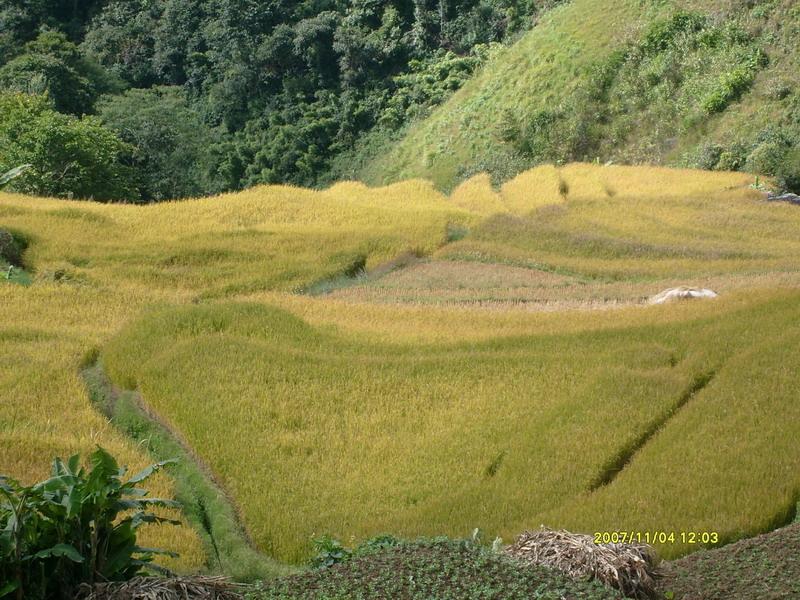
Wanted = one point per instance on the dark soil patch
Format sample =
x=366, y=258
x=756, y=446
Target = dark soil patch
x=436, y=569
x=766, y=567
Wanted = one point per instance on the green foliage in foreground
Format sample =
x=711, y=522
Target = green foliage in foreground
x=430, y=569
x=78, y=526
x=767, y=566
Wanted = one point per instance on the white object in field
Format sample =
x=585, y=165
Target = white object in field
x=682, y=293
x=787, y=197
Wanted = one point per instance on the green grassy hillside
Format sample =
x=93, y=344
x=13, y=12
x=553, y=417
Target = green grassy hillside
x=705, y=83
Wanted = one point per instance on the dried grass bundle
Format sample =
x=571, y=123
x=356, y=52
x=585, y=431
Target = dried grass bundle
x=629, y=568
x=159, y=588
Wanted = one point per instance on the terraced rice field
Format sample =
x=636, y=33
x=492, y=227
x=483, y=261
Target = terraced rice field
x=391, y=401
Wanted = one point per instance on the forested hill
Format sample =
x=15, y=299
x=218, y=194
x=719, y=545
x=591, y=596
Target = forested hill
x=152, y=99
x=144, y=100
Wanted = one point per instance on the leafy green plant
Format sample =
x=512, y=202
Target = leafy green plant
x=329, y=552
x=78, y=526
x=376, y=544
x=6, y=177
x=733, y=84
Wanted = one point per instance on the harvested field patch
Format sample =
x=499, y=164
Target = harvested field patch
x=499, y=286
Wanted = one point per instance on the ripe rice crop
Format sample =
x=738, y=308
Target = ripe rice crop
x=354, y=436
x=353, y=417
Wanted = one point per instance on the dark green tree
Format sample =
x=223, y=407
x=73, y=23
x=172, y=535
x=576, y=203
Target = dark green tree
x=122, y=39
x=53, y=64
x=69, y=157
x=174, y=149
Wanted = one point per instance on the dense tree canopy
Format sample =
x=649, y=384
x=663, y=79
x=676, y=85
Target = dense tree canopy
x=51, y=63
x=69, y=157
x=174, y=149
x=257, y=91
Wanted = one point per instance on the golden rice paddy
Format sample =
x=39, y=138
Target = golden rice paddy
x=397, y=403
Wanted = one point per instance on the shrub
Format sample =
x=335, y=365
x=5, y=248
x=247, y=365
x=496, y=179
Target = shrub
x=788, y=172
x=733, y=158
x=68, y=157
x=767, y=157
x=663, y=34
x=429, y=82
x=11, y=247
x=76, y=527
x=708, y=156
x=730, y=87
x=329, y=552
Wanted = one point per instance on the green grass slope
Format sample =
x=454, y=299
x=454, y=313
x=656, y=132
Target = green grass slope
x=623, y=80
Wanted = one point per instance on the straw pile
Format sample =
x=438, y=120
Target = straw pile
x=158, y=588
x=629, y=568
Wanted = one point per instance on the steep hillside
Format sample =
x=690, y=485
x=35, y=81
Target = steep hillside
x=705, y=83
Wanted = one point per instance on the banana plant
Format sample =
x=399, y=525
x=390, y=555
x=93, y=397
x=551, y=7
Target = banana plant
x=5, y=178
x=79, y=526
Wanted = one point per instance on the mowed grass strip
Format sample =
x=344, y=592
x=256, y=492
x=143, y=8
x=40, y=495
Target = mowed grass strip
x=314, y=431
